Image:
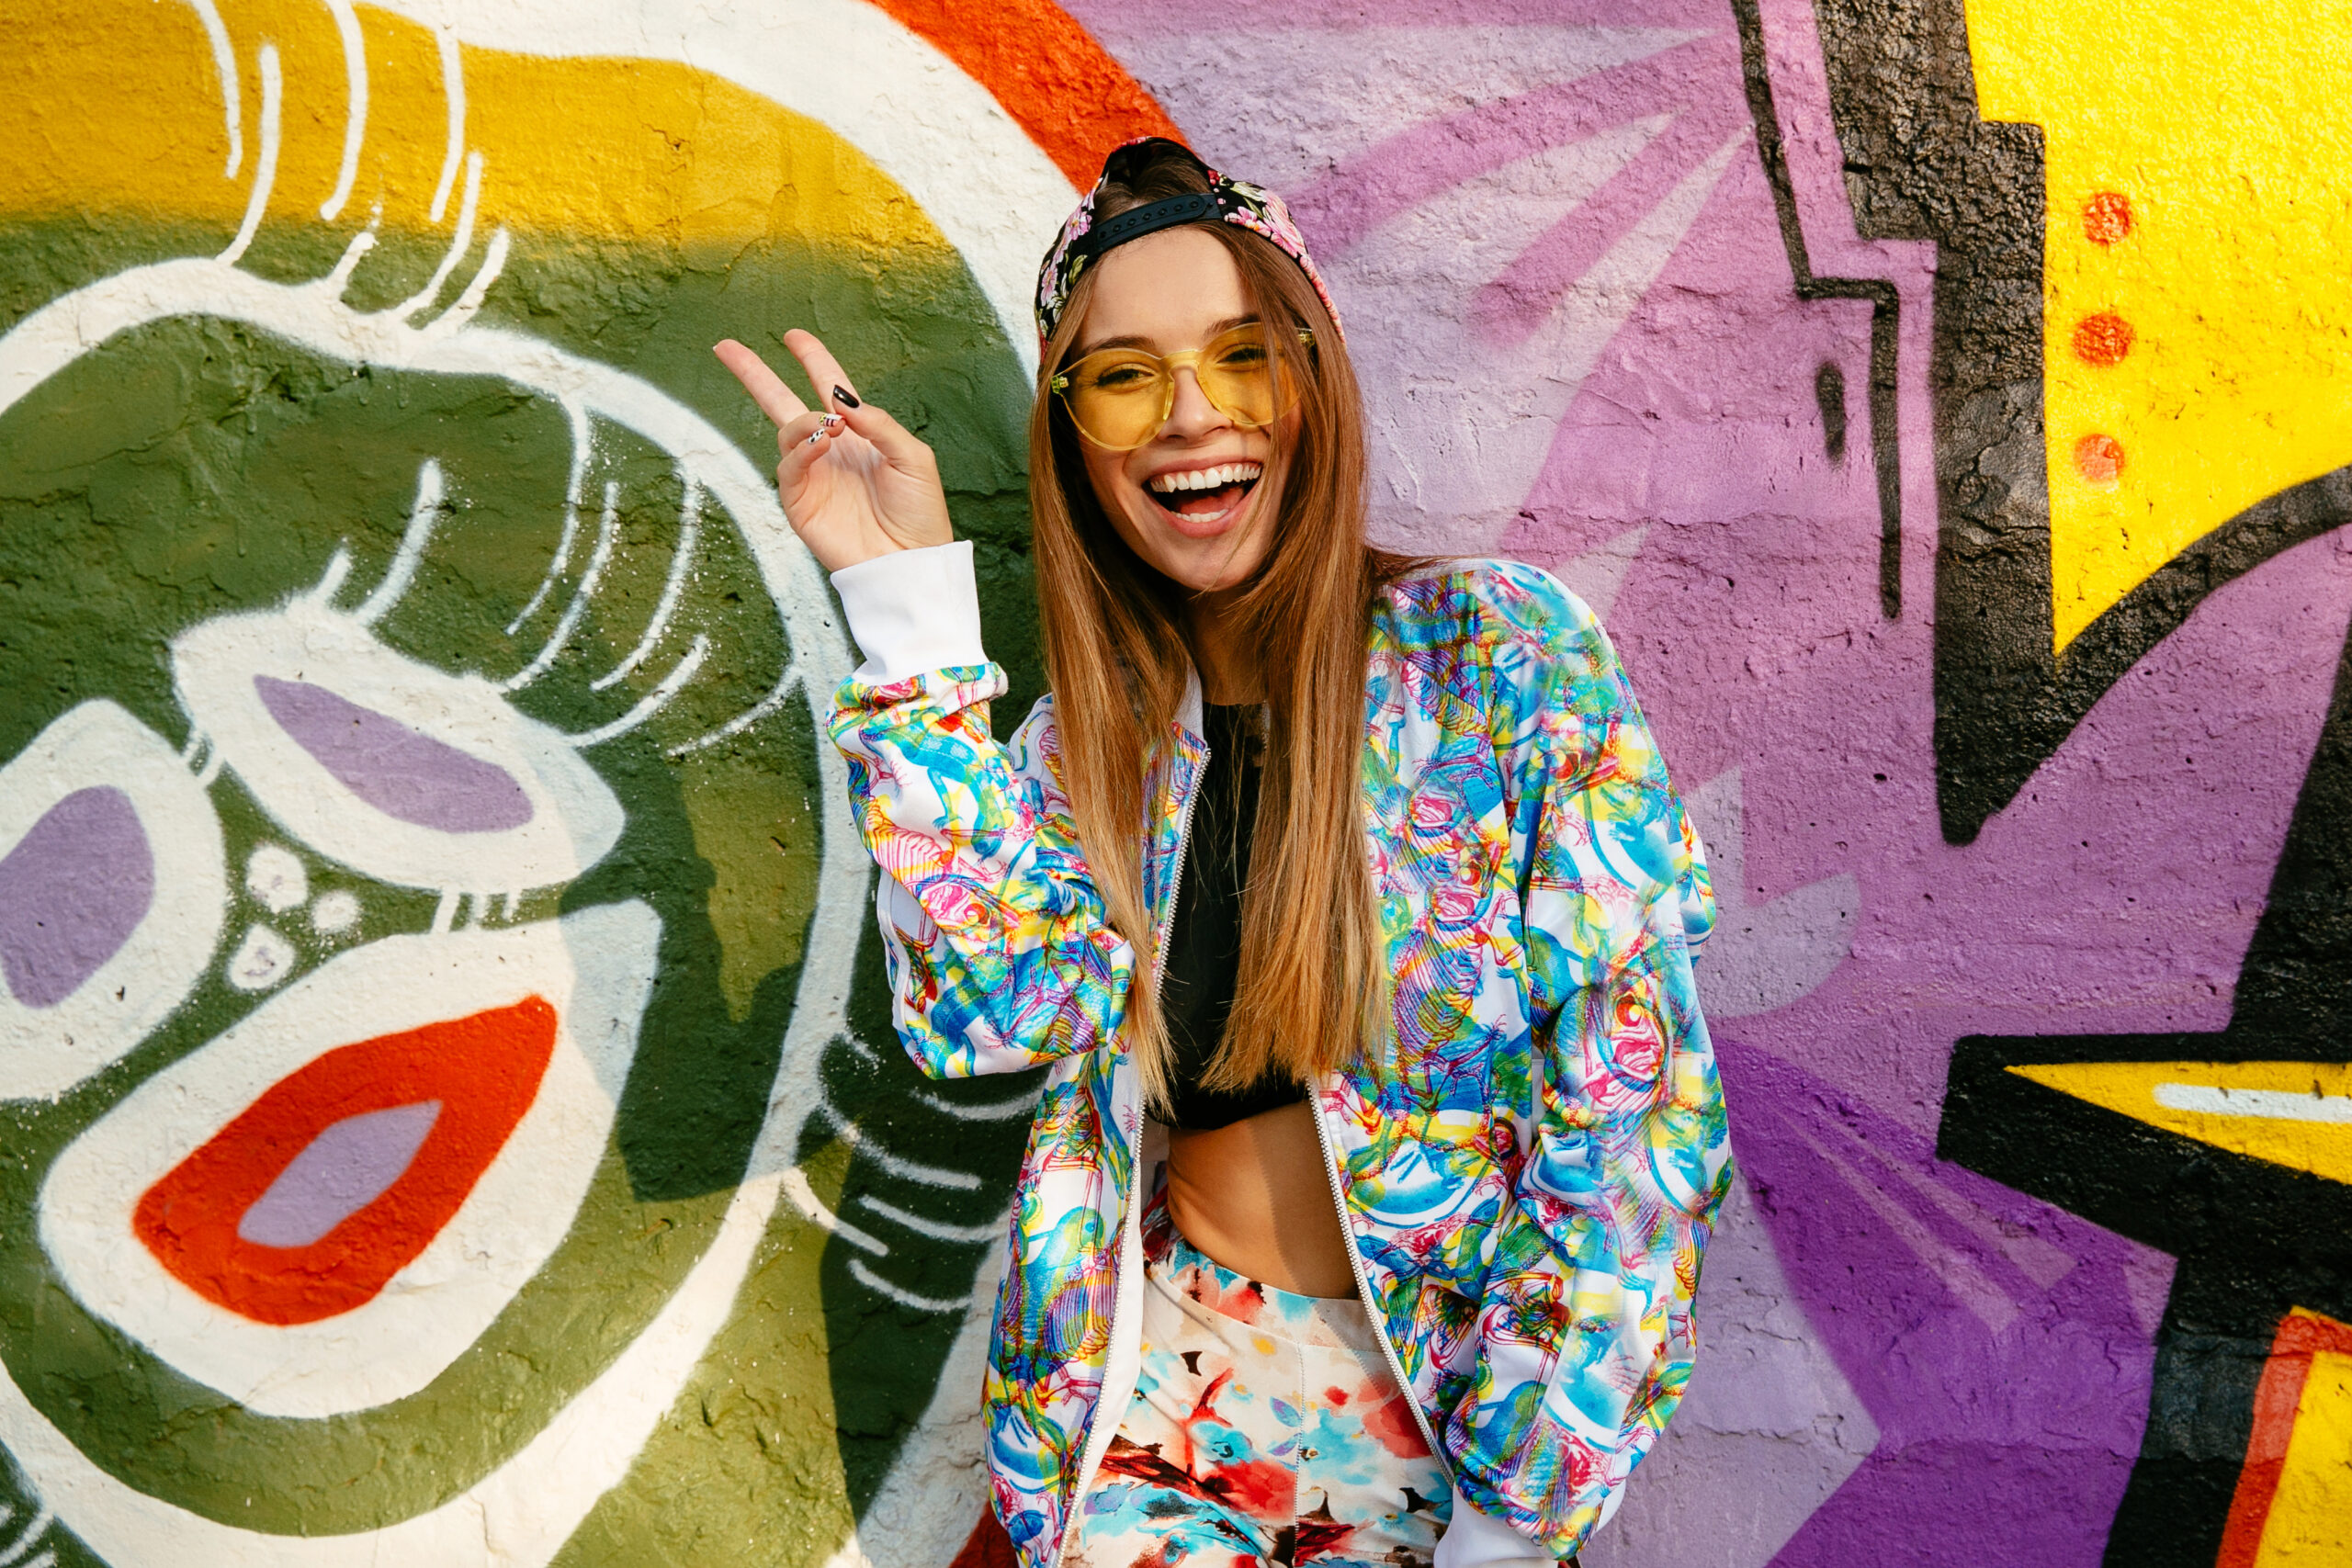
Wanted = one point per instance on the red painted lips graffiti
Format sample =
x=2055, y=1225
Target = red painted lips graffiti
x=304, y=1206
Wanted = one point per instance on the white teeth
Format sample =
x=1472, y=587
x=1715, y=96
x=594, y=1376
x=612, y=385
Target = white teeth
x=1206, y=478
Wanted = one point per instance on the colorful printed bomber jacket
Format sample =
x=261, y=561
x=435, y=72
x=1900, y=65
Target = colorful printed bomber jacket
x=1532, y=1163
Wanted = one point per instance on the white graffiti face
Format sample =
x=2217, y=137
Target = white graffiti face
x=324, y=1210
x=111, y=890
x=319, y=1209
x=386, y=764
x=415, y=1015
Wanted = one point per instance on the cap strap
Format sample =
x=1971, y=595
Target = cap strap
x=1148, y=219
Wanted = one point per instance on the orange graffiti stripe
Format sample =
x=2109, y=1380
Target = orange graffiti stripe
x=484, y=1069
x=2275, y=1400
x=1059, y=84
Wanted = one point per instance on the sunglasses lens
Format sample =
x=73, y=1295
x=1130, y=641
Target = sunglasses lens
x=1239, y=375
x=1118, y=397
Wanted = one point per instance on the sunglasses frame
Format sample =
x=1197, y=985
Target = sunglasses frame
x=1169, y=365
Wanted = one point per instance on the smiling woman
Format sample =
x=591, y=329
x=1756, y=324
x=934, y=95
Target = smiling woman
x=1359, y=877
x=1178, y=400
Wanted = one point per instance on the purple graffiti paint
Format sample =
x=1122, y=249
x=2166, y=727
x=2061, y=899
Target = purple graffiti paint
x=72, y=892
x=2000, y=1344
x=348, y=1166
x=396, y=769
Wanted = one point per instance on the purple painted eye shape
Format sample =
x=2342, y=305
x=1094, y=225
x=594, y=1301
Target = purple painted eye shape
x=72, y=892
x=402, y=772
x=348, y=1166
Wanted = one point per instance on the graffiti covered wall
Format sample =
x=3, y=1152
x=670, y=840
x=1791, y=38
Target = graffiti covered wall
x=448, y=1111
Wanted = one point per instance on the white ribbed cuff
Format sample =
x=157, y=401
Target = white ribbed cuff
x=912, y=611
x=1474, y=1540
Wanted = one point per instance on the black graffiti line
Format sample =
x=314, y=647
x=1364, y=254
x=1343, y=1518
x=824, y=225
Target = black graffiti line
x=1886, y=306
x=2104, y=651
x=2254, y=1239
x=1922, y=166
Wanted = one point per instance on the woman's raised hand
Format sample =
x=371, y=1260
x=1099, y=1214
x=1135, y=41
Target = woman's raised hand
x=854, y=484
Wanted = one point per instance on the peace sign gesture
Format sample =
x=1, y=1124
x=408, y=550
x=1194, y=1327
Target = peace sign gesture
x=854, y=484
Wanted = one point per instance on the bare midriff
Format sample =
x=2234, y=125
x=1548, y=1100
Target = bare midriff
x=1254, y=1196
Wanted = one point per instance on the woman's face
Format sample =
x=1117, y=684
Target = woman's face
x=1169, y=292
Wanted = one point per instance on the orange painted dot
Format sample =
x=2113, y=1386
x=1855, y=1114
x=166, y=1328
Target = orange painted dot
x=2098, y=458
x=2107, y=218
x=2103, y=339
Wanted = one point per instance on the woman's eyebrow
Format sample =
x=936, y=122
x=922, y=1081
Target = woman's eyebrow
x=1133, y=341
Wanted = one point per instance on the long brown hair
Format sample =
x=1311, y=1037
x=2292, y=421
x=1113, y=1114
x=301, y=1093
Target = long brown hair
x=1313, y=979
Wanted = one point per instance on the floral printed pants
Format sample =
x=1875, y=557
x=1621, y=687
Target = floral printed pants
x=1266, y=1428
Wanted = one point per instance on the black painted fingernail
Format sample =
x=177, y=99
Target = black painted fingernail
x=846, y=398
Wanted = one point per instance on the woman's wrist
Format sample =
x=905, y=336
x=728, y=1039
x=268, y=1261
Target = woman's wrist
x=912, y=611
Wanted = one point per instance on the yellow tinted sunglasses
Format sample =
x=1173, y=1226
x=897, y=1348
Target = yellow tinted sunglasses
x=1119, y=397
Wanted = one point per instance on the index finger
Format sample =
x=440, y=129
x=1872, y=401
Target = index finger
x=777, y=401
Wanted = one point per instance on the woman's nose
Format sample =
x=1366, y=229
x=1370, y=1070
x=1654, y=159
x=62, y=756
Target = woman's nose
x=1191, y=414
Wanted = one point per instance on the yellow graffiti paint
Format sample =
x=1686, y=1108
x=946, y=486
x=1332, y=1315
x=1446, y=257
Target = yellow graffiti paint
x=2197, y=311
x=117, y=107
x=2306, y=1525
x=2291, y=1113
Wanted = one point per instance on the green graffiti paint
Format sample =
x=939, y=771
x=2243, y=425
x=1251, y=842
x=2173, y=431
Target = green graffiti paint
x=199, y=467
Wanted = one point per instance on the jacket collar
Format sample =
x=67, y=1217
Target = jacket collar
x=1188, y=712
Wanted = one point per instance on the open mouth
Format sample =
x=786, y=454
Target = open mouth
x=1200, y=496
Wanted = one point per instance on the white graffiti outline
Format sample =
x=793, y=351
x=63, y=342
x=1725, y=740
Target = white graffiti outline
x=1011, y=1109
x=581, y=451
x=2277, y=1105
x=273, y=95
x=26, y=1538
x=905, y=1169
x=689, y=533
x=453, y=90
x=936, y=1230
x=422, y=516
x=785, y=685
x=899, y=1294
x=354, y=115
x=653, y=702
x=804, y=1197
x=461, y=241
x=607, y=529
x=224, y=65
x=525, y=1509
x=999, y=224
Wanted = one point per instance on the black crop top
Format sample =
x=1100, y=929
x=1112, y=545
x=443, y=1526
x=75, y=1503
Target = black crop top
x=1204, y=941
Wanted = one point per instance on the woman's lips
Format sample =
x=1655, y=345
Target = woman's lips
x=1204, y=513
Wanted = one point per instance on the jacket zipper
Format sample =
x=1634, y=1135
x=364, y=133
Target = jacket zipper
x=1363, y=1293
x=1098, y=1436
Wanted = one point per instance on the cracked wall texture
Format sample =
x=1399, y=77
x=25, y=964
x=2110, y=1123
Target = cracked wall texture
x=447, y=1106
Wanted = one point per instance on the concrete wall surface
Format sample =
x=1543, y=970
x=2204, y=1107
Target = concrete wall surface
x=449, y=1110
